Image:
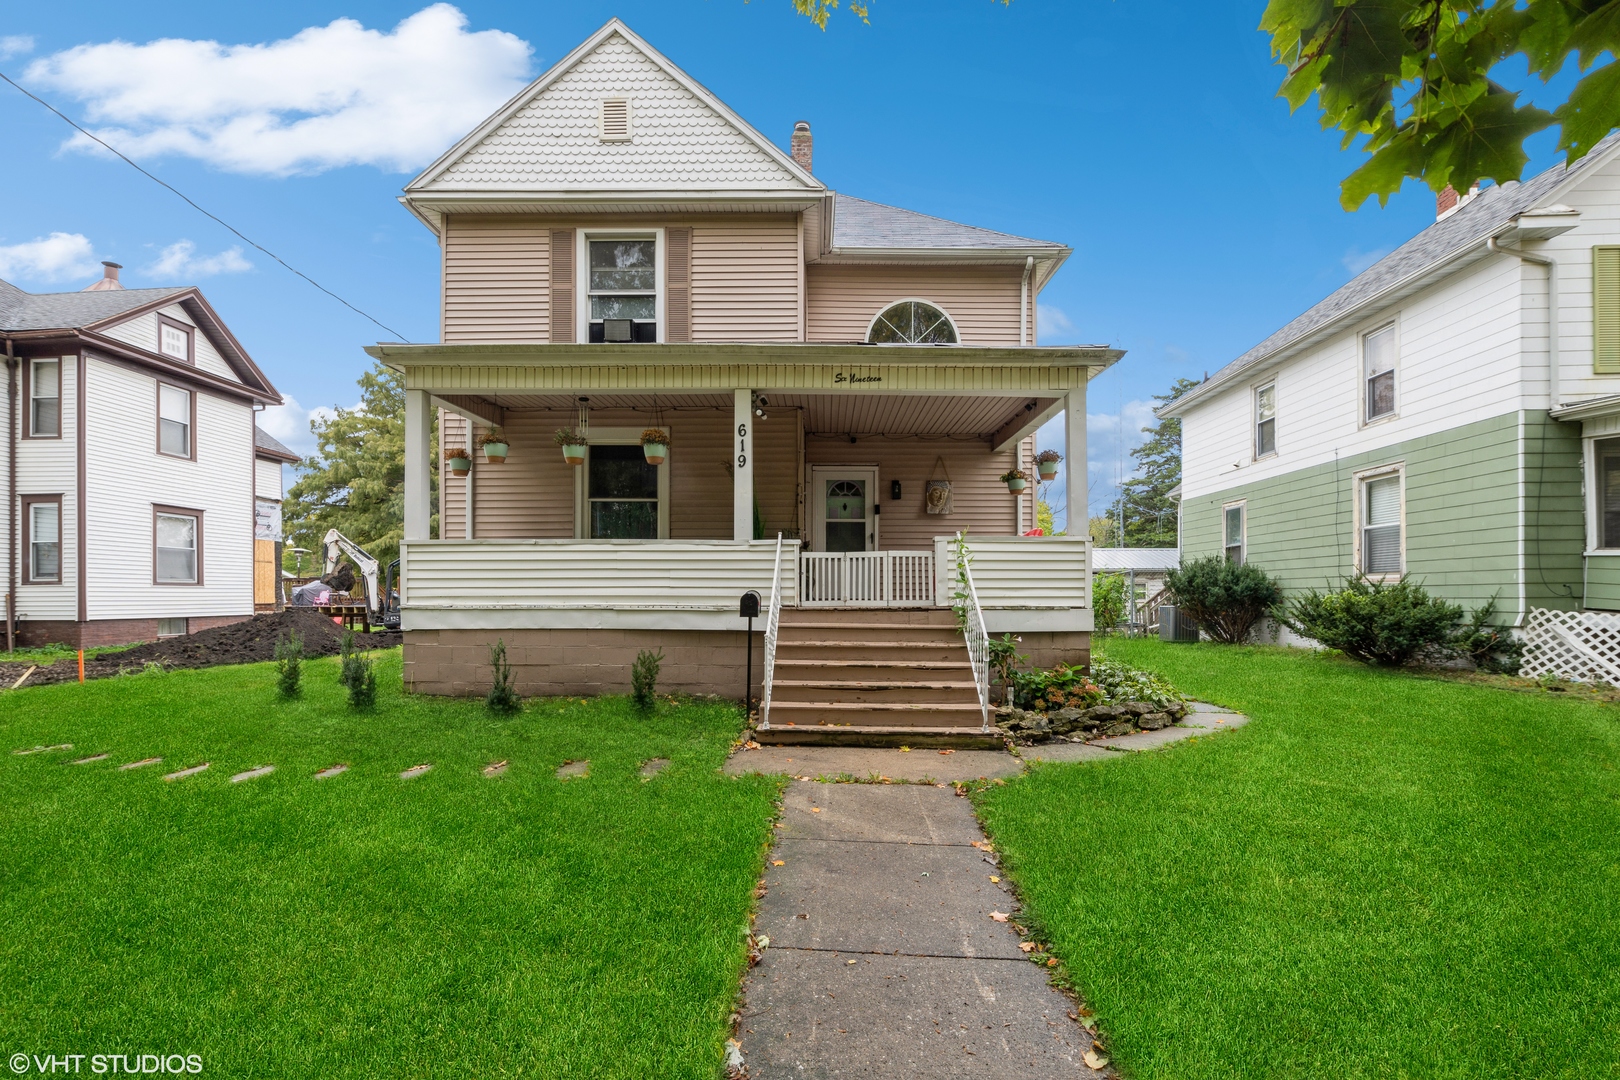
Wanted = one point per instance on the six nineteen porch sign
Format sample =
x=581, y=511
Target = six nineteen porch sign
x=937, y=493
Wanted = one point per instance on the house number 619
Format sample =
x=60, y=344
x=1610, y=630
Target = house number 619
x=742, y=446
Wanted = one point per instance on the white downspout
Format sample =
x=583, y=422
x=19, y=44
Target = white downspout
x=1023, y=302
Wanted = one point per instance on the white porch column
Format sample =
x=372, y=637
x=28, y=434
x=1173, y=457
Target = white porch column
x=742, y=465
x=418, y=469
x=1076, y=474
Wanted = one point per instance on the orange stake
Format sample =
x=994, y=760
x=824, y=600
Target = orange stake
x=81, y=667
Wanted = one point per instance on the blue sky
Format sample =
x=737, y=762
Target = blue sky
x=1203, y=215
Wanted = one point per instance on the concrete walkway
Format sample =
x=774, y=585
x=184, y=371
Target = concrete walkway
x=883, y=960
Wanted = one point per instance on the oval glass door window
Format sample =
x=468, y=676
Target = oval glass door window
x=846, y=515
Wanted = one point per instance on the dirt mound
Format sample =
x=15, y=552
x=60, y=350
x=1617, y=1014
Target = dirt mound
x=246, y=642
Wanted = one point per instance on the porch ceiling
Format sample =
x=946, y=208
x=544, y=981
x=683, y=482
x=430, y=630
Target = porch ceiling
x=824, y=414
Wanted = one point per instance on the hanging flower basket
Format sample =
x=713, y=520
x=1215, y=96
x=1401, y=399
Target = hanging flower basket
x=1046, y=462
x=573, y=444
x=493, y=444
x=459, y=460
x=1016, y=480
x=655, y=444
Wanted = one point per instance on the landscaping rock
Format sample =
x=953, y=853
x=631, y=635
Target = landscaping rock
x=1155, y=721
x=1137, y=708
x=1117, y=727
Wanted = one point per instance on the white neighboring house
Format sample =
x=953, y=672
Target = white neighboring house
x=131, y=464
x=269, y=455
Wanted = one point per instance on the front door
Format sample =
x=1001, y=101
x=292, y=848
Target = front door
x=843, y=517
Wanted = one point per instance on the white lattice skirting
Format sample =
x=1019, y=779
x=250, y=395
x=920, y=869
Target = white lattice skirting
x=1582, y=646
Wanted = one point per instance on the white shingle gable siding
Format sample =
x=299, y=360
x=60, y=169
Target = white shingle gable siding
x=555, y=142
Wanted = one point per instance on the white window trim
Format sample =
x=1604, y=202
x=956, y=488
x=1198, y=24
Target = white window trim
x=1254, y=420
x=1361, y=480
x=1591, y=493
x=1243, y=544
x=582, y=274
x=935, y=304
x=1361, y=373
x=617, y=436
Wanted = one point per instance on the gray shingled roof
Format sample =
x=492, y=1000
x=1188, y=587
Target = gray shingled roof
x=70, y=310
x=861, y=224
x=263, y=440
x=1481, y=217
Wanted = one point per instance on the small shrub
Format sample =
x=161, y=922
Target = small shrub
x=355, y=673
x=1224, y=598
x=1491, y=648
x=1060, y=688
x=644, y=678
x=348, y=660
x=1380, y=623
x=503, y=696
x=1108, y=600
x=1121, y=683
x=1005, y=659
x=289, y=663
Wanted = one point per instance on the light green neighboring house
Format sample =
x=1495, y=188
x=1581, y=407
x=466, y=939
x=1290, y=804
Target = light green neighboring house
x=1429, y=417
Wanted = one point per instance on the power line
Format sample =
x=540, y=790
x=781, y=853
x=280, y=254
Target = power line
x=187, y=199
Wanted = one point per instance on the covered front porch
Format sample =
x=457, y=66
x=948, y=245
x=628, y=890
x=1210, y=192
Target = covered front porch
x=864, y=461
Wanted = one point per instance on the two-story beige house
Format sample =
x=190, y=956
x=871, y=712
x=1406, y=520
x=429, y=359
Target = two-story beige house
x=130, y=463
x=840, y=385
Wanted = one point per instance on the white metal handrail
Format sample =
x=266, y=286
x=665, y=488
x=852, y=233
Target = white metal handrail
x=772, y=618
x=974, y=632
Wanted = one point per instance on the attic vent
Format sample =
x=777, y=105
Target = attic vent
x=616, y=120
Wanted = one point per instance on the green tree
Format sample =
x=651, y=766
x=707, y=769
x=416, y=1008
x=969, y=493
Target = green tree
x=1458, y=125
x=355, y=480
x=1149, y=512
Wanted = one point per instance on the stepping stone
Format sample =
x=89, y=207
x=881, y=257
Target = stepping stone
x=92, y=757
x=183, y=773
x=328, y=773
x=653, y=766
x=573, y=768
x=44, y=749
x=495, y=768
x=140, y=763
x=253, y=774
x=414, y=771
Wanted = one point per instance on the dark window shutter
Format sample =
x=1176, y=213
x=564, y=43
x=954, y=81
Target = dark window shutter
x=562, y=285
x=678, y=285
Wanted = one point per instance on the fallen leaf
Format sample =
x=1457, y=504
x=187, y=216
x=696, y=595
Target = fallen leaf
x=944, y=752
x=763, y=942
x=1095, y=1060
x=849, y=961
x=999, y=916
x=777, y=862
x=995, y=880
x=905, y=749
x=1052, y=962
x=1029, y=946
x=815, y=809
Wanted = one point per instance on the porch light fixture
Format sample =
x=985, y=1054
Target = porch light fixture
x=761, y=403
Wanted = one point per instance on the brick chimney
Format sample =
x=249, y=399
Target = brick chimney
x=1445, y=202
x=109, y=279
x=802, y=143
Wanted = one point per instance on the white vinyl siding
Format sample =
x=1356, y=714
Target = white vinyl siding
x=50, y=467
x=124, y=487
x=267, y=479
x=45, y=397
x=1381, y=526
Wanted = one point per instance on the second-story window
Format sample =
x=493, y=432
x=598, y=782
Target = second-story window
x=624, y=290
x=174, y=421
x=45, y=398
x=1378, y=366
x=1265, y=421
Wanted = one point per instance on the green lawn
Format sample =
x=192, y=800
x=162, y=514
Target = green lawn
x=450, y=925
x=1384, y=875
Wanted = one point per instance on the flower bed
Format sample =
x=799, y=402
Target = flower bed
x=1066, y=703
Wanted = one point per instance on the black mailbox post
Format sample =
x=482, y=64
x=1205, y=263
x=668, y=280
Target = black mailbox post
x=748, y=608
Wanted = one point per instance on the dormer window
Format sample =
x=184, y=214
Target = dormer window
x=624, y=290
x=174, y=339
x=615, y=120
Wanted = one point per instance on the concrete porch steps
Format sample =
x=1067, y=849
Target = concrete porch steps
x=873, y=677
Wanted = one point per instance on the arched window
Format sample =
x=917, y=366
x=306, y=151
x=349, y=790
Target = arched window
x=912, y=322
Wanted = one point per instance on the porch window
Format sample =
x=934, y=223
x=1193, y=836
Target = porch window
x=912, y=322
x=1608, y=464
x=45, y=398
x=1265, y=421
x=1234, y=534
x=1378, y=360
x=1381, y=528
x=624, y=290
x=622, y=493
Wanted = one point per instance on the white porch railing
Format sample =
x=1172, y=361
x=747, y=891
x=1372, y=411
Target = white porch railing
x=1031, y=573
x=772, y=618
x=866, y=579
x=974, y=632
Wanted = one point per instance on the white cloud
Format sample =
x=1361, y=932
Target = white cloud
x=58, y=257
x=1355, y=260
x=326, y=97
x=1052, y=318
x=15, y=45
x=179, y=260
x=1110, y=438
